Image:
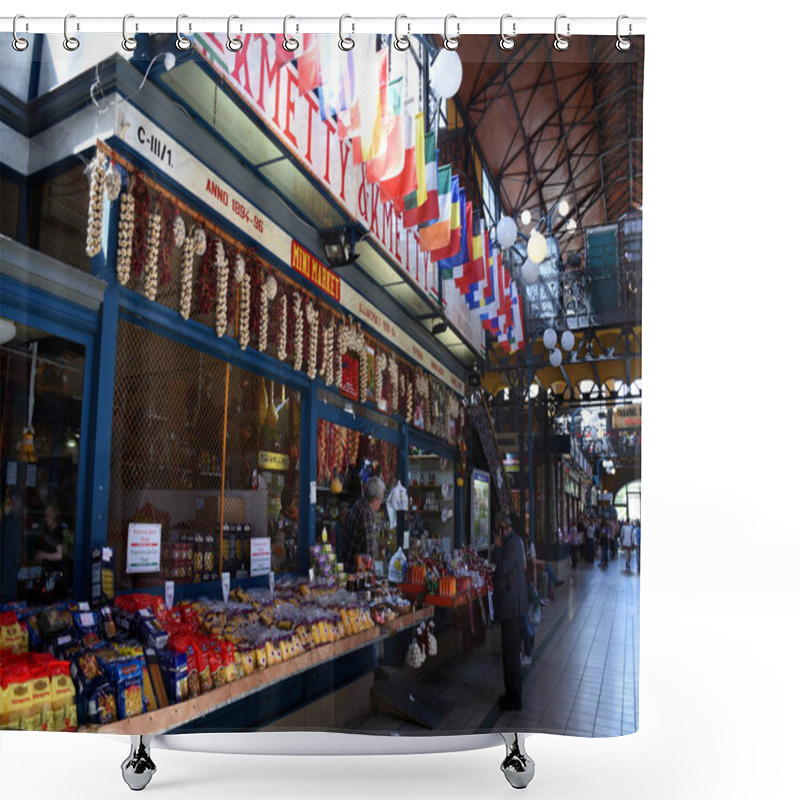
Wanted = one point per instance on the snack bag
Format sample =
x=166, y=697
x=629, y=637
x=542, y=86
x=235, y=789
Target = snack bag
x=17, y=690
x=62, y=696
x=41, y=696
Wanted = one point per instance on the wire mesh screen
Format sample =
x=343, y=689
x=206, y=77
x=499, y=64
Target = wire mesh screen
x=58, y=228
x=189, y=445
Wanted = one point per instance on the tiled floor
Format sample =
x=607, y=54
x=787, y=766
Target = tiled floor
x=584, y=679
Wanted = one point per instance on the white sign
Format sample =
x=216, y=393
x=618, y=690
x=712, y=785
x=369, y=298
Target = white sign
x=226, y=586
x=260, y=556
x=169, y=593
x=139, y=133
x=144, y=547
x=312, y=493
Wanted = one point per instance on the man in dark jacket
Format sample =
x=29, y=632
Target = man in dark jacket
x=510, y=602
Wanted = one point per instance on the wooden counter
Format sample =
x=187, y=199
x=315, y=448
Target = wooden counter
x=178, y=714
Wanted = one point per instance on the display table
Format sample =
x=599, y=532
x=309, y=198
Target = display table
x=176, y=715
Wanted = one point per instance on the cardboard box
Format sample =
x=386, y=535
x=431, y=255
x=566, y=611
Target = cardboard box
x=207, y=513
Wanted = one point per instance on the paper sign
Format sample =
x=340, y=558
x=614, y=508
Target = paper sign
x=169, y=593
x=144, y=547
x=406, y=540
x=226, y=586
x=272, y=582
x=311, y=575
x=260, y=556
x=312, y=493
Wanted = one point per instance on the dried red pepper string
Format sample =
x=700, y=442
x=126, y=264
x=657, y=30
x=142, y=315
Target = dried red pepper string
x=141, y=199
x=207, y=280
x=167, y=241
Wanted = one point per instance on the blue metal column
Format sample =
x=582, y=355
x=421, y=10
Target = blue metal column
x=308, y=474
x=103, y=266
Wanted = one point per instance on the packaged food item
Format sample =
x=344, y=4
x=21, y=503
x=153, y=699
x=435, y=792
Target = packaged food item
x=102, y=575
x=85, y=668
x=62, y=696
x=13, y=635
x=106, y=621
x=85, y=623
x=55, y=621
x=150, y=630
x=175, y=672
x=129, y=688
x=41, y=696
x=101, y=701
x=17, y=689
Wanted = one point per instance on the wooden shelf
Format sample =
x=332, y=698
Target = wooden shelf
x=173, y=716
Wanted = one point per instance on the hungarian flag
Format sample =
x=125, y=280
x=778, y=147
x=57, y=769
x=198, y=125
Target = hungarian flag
x=309, y=73
x=449, y=265
x=389, y=164
x=371, y=92
x=429, y=210
x=451, y=248
x=396, y=188
x=336, y=95
x=437, y=235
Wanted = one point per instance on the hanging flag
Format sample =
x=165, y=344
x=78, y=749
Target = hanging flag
x=492, y=322
x=517, y=334
x=449, y=265
x=371, y=88
x=416, y=198
x=338, y=80
x=436, y=235
x=395, y=189
x=429, y=210
x=309, y=73
x=488, y=304
x=390, y=163
x=474, y=267
x=478, y=267
x=451, y=248
x=282, y=55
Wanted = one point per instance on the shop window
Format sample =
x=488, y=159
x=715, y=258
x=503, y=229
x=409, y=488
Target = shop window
x=205, y=450
x=346, y=459
x=430, y=498
x=41, y=390
x=10, y=193
x=58, y=228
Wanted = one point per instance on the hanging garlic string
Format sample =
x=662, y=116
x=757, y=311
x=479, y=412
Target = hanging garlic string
x=284, y=321
x=244, y=312
x=151, y=257
x=127, y=206
x=221, y=264
x=94, y=227
x=297, y=344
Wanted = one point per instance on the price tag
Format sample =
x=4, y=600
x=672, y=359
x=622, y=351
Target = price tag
x=311, y=575
x=83, y=606
x=406, y=540
x=226, y=586
x=272, y=583
x=312, y=493
x=63, y=640
x=169, y=593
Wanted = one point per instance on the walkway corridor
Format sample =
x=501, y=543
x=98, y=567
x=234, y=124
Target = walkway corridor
x=584, y=675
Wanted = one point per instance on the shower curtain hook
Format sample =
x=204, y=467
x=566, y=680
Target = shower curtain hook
x=70, y=42
x=19, y=43
x=451, y=42
x=561, y=43
x=182, y=42
x=507, y=42
x=346, y=42
x=128, y=42
x=233, y=44
x=401, y=42
x=289, y=42
x=623, y=44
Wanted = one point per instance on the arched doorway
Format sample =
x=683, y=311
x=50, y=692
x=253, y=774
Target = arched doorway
x=628, y=501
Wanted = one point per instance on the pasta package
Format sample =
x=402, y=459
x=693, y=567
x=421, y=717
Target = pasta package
x=129, y=688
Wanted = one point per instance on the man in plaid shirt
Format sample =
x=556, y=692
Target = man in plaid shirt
x=359, y=529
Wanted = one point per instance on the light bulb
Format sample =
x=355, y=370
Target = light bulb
x=556, y=358
x=530, y=273
x=563, y=207
x=506, y=232
x=446, y=72
x=537, y=247
x=567, y=340
x=525, y=217
x=550, y=338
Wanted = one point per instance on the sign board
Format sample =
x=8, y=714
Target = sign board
x=144, y=547
x=481, y=517
x=350, y=377
x=273, y=462
x=260, y=556
x=313, y=269
x=627, y=416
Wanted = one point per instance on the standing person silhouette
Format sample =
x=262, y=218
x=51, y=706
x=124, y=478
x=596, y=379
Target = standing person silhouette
x=510, y=598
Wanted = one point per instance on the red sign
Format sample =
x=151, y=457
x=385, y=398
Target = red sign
x=350, y=376
x=313, y=269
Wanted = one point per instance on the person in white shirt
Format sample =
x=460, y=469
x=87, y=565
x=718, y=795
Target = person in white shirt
x=626, y=536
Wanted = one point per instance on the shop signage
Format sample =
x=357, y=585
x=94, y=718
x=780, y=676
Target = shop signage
x=260, y=556
x=272, y=92
x=273, y=462
x=136, y=130
x=627, y=416
x=144, y=547
x=313, y=269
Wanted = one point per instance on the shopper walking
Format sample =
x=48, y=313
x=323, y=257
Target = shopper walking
x=510, y=602
x=589, y=554
x=604, y=544
x=626, y=539
x=359, y=535
x=553, y=580
x=637, y=544
x=572, y=540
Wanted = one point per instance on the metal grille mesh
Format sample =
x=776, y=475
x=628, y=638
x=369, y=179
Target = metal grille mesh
x=171, y=462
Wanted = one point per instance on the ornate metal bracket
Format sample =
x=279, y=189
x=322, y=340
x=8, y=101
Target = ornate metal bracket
x=517, y=766
x=138, y=768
